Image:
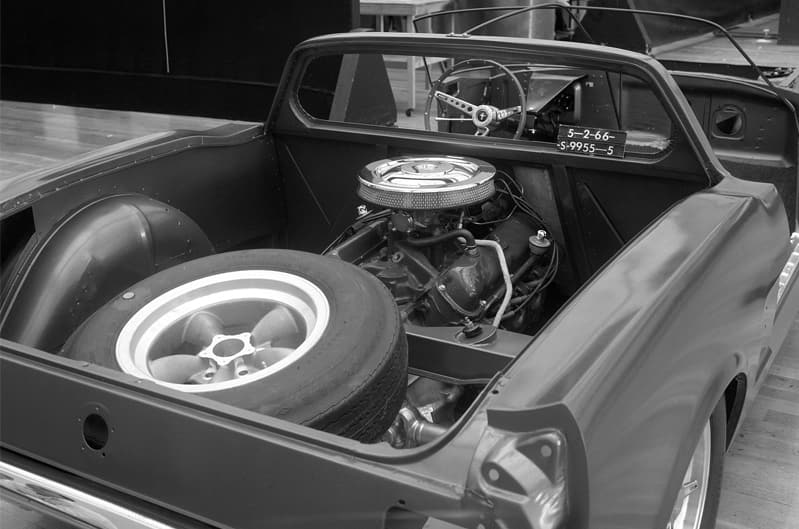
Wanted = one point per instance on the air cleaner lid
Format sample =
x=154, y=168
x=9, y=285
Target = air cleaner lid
x=426, y=182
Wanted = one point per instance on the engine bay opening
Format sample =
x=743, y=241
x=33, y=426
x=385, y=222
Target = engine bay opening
x=469, y=262
x=432, y=235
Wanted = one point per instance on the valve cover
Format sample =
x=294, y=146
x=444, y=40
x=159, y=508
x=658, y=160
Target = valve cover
x=426, y=182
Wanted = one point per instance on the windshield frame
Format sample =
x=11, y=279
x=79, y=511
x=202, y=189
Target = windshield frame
x=287, y=115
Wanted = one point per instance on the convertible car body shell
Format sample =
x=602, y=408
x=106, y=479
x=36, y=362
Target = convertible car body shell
x=687, y=313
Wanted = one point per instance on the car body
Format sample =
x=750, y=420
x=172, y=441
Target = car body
x=678, y=308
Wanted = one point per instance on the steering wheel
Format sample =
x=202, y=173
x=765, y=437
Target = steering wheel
x=484, y=117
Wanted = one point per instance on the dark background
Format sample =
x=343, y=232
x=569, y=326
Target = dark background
x=225, y=57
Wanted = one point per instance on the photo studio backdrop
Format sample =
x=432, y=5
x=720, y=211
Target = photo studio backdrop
x=200, y=57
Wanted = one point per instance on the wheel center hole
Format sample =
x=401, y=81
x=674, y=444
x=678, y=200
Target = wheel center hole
x=228, y=347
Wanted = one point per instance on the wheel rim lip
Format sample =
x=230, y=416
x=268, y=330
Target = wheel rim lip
x=688, y=511
x=300, y=295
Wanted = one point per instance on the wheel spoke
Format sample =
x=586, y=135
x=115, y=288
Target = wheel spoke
x=223, y=373
x=176, y=369
x=278, y=323
x=240, y=368
x=201, y=327
x=270, y=355
x=205, y=376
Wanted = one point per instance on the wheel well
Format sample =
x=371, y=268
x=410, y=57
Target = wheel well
x=89, y=257
x=734, y=400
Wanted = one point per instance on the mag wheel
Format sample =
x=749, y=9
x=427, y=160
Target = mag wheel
x=235, y=328
x=307, y=338
x=697, y=501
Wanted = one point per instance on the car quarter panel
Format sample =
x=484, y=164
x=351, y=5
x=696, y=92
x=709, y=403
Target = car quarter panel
x=185, y=460
x=644, y=352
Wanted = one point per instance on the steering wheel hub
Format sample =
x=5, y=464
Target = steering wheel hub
x=484, y=116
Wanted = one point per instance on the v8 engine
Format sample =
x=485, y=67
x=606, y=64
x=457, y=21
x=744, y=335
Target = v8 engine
x=454, y=241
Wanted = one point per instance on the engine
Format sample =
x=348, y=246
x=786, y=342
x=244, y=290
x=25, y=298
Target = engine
x=454, y=241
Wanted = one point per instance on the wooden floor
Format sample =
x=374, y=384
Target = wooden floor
x=761, y=470
x=761, y=478
x=34, y=136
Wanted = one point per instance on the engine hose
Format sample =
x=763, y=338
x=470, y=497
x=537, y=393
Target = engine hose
x=517, y=275
x=436, y=239
x=503, y=265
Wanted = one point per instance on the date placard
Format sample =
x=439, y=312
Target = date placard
x=591, y=141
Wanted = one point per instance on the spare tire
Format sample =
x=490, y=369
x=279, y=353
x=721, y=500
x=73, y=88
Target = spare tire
x=306, y=338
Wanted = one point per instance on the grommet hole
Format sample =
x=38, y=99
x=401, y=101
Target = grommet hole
x=729, y=121
x=95, y=431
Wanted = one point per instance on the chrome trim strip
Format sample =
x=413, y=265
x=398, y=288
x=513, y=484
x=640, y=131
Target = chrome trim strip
x=79, y=505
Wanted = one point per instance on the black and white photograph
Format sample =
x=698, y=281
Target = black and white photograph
x=399, y=264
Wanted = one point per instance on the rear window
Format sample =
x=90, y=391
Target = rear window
x=526, y=101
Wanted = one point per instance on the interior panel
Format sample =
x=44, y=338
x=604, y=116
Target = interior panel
x=751, y=131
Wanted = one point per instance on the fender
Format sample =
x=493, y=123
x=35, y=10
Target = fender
x=91, y=256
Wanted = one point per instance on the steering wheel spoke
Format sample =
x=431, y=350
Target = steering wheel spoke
x=508, y=112
x=456, y=103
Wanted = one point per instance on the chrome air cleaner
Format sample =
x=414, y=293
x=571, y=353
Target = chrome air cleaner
x=426, y=182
